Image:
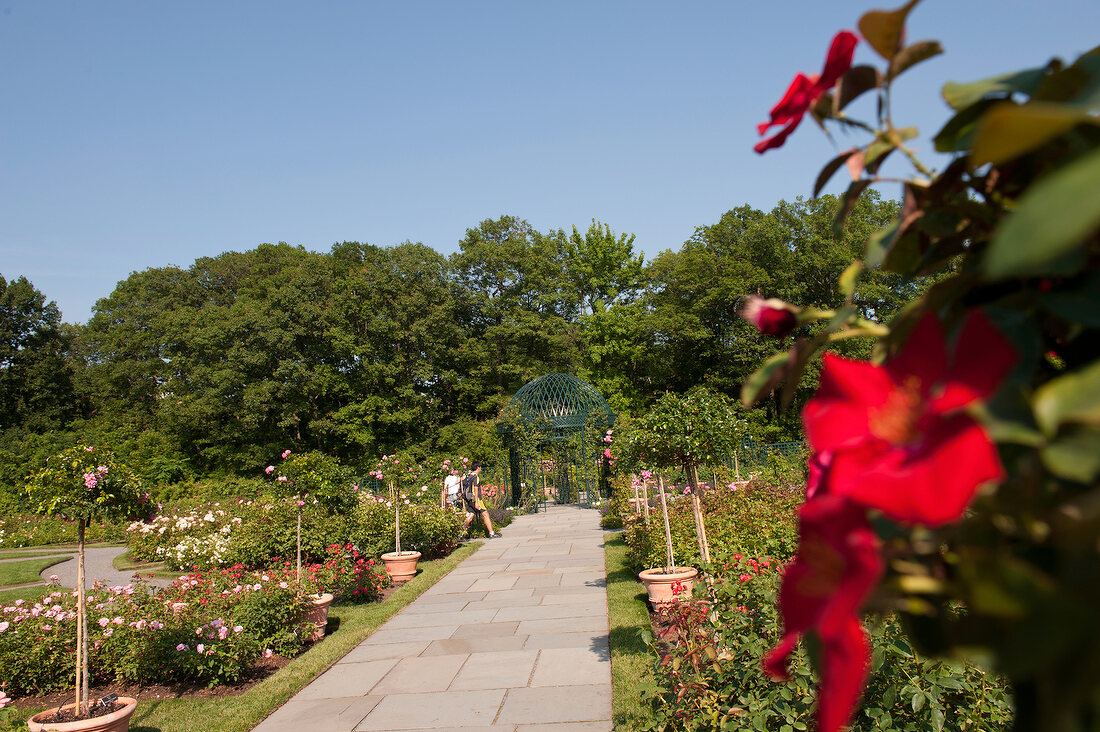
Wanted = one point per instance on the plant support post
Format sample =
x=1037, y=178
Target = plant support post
x=81, y=623
x=671, y=562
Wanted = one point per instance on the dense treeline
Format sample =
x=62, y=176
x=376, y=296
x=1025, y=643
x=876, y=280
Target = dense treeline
x=367, y=349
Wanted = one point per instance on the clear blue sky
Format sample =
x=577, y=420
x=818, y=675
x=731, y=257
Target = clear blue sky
x=142, y=133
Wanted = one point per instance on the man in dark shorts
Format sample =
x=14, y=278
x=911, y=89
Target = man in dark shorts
x=471, y=498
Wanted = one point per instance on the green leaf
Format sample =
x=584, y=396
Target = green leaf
x=879, y=243
x=937, y=719
x=1076, y=305
x=959, y=132
x=1078, y=85
x=848, y=278
x=885, y=29
x=830, y=168
x=1072, y=397
x=846, y=203
x=856, y=81
x=1009, y=130
x=1076, y=456
x=1051, y=220
x=912, y=55
x=917, y=703
x=764, y=379
x=960, y=96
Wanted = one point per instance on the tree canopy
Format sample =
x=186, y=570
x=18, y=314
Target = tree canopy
x=365, y=350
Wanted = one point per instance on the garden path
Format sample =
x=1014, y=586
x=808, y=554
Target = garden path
x=514, y=639
x=98, y=565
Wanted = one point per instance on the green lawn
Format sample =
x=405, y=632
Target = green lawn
x=24, y=554
x=26, y=571
x=242, y=713
x=30, y=594
x=627, y=616
x=123, y=563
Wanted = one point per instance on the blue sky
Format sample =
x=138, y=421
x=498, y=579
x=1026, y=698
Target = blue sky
x=143, y=133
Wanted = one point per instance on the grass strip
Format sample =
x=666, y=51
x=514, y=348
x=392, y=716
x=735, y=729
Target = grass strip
x=26, y=571
x=627, y=616
x=242, y=713
x=30, y=594
x=123, y=563
x=8, y=554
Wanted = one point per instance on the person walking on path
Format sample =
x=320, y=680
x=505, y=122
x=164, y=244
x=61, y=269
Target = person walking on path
x=471, y=496
x=449, y=496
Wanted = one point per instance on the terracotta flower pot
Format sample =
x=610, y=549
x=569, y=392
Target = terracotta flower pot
x=659, y=583
x=116, y=721
x=401, y=566
x=318, y=615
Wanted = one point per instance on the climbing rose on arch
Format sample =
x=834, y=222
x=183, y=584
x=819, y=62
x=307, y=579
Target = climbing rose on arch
x=895, y=437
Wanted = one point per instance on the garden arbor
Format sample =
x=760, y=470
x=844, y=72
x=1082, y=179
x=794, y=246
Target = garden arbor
x=554, y=429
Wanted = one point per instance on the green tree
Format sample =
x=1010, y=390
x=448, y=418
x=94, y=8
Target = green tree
x=398, y=316
x=516, y=312
x=602, y=267
x=36, y=389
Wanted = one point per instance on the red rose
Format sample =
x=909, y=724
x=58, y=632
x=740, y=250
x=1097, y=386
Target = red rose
x=772, y=316
x=823, y=589
x=894, y=436
x=805, y=90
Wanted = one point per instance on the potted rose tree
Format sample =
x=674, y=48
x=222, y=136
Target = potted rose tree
x=395, y=471
x=321, y=480
x=686, y=431
x=82, y=484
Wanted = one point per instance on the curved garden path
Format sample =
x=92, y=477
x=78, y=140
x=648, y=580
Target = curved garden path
x=98, y=566
x=513, y=639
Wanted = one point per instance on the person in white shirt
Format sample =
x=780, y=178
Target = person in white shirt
x=449, y=494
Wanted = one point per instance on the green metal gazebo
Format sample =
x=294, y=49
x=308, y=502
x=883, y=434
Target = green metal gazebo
x=553, y=428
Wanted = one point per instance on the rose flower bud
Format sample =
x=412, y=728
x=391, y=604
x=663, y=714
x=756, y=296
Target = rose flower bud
x=772, y=316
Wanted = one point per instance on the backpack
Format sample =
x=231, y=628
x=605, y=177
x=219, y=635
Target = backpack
x=467, y=487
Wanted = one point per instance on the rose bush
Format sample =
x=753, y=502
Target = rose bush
x=967, y=450
x=708, y=676
x=136, y=634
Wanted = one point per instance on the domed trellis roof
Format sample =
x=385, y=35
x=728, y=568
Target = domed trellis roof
x=560, y=402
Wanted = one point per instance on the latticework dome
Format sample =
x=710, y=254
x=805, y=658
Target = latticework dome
x=560, y=403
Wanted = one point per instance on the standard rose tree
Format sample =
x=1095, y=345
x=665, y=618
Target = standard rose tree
x=313, y=477
x=967, y=450
x=82, y=484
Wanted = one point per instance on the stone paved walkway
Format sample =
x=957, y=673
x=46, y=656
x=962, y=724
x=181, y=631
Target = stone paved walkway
x=514, y=638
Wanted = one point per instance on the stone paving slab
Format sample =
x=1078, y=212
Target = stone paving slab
x=515, y=639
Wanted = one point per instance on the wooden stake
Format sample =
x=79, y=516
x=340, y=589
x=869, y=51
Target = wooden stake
x=81, y=624
x=668, y=532
x=697, y=513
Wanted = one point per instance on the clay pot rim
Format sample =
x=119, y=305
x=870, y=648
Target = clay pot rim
x=400, y=555
x=676, y=573
x=129, y=706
